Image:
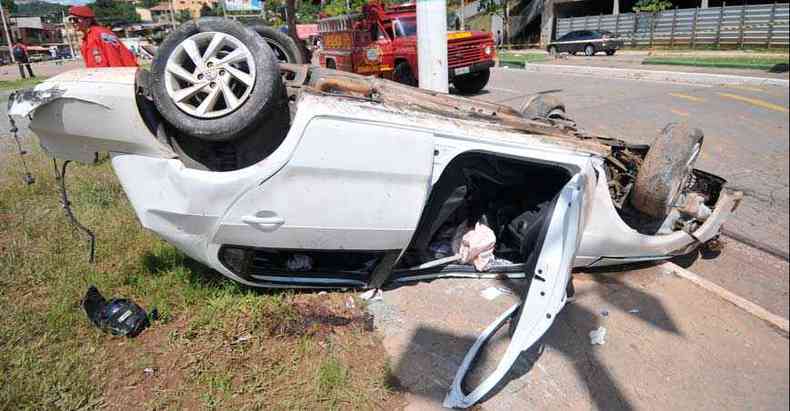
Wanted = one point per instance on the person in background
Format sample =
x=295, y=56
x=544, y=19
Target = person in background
x=100, y=46
x=22, y=59
x=499, y=38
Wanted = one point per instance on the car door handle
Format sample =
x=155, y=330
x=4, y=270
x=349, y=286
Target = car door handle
x=266, y=222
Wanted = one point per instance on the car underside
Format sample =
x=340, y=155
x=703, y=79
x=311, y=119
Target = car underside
x=343, y=181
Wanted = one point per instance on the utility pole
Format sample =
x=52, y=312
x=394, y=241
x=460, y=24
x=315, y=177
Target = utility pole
x=463, y=12
x=7, y=35
x=172, y=15
x=432, y=44
x=67, y=31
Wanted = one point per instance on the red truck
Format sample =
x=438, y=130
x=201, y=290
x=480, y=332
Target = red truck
x=382, y=41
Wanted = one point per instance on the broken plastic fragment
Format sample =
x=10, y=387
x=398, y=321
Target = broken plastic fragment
x=374, y=294
x=118, y=316
x=598, y=336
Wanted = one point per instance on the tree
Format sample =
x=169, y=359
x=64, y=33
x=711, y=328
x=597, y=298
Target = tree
x=207, y=11
x=112, y=13
x=652, y=6
x=183, y=15
x=149, y=3
x=307, y=12
x=500, y=8
x=10, y=6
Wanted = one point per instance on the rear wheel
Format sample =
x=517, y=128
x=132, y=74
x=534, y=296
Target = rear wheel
x=473, y=82
x=283, y=46
x=404, y=75
x=589, y=50
x=665, y=169
x=610, y=52
x=214, y=79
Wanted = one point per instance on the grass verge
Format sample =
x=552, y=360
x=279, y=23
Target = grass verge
x=744, y=62
x=218, y=344
x=10, y=85
x=519, y=59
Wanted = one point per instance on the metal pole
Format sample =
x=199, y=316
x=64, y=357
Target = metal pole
x=771, y=26
x=463, y=12
x=172, y=15
x=7, y=35
x=432, y=45
x=68, y=34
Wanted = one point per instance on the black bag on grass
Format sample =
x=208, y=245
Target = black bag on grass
x=119, y=316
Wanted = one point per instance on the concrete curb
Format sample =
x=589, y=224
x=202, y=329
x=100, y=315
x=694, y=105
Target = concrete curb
x=777, y=321
x=655, y=75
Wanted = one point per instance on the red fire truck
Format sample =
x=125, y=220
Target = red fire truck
x=382, y=41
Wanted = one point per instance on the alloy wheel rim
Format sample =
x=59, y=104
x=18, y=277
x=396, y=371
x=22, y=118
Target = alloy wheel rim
x=210, y=74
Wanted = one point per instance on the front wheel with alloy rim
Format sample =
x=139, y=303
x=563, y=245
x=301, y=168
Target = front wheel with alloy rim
x=214, y=79
x=589, y=50
x=473, y=82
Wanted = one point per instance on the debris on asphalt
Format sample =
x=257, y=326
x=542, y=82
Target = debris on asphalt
x=241, y=339
x=118, y=316
x=634, y=311
x=491, y=293
x=374, y=294
x=148, y=371
x=598, y=336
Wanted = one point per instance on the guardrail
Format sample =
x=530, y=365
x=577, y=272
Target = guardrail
x=764, y=25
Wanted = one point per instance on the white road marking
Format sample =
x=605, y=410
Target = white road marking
x=742, y=303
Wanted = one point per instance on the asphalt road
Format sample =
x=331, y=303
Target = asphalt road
x=746, y=132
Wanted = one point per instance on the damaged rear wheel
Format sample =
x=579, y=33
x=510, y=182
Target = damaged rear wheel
x=665, y=170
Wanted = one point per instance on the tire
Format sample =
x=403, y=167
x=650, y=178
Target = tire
x=473, y=82
x=543, y=106
x=665, y=169
x=283, y=46
x=330, y=64
x=610, y=52
x=404, y=75
x=254, y=80
x=589, y=50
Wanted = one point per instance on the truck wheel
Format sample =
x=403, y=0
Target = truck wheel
x=543, y=106
x=214, y=79
x=665, y=169
x=404, y=75
x=473, y=82
x=283, y=46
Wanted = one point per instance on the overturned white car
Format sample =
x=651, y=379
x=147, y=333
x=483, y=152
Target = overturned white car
x=295, y=176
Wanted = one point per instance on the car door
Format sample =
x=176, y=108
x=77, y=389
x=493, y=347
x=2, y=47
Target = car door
x=562, y=45
x=544, y=299
x=349, y=185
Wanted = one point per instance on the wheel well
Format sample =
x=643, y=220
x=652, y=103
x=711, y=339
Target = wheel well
x=480, y=186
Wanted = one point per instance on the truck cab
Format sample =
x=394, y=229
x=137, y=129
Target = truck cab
x=382, y=41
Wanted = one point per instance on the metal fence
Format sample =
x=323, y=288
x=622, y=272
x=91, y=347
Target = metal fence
x=729, y=27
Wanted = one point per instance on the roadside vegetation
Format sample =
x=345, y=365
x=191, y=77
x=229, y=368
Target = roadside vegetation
x=763, y=62
x=217, y=344
x=11, y=85
x=511, y=59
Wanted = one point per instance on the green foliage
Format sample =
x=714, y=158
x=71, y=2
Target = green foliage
x=307, y=12
x=111, y=12
x=652, y=6
x=207, y=11
x=10, y=6
x=338, y=7
x=149, y=3
x=492, y=7
x=183, y=16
